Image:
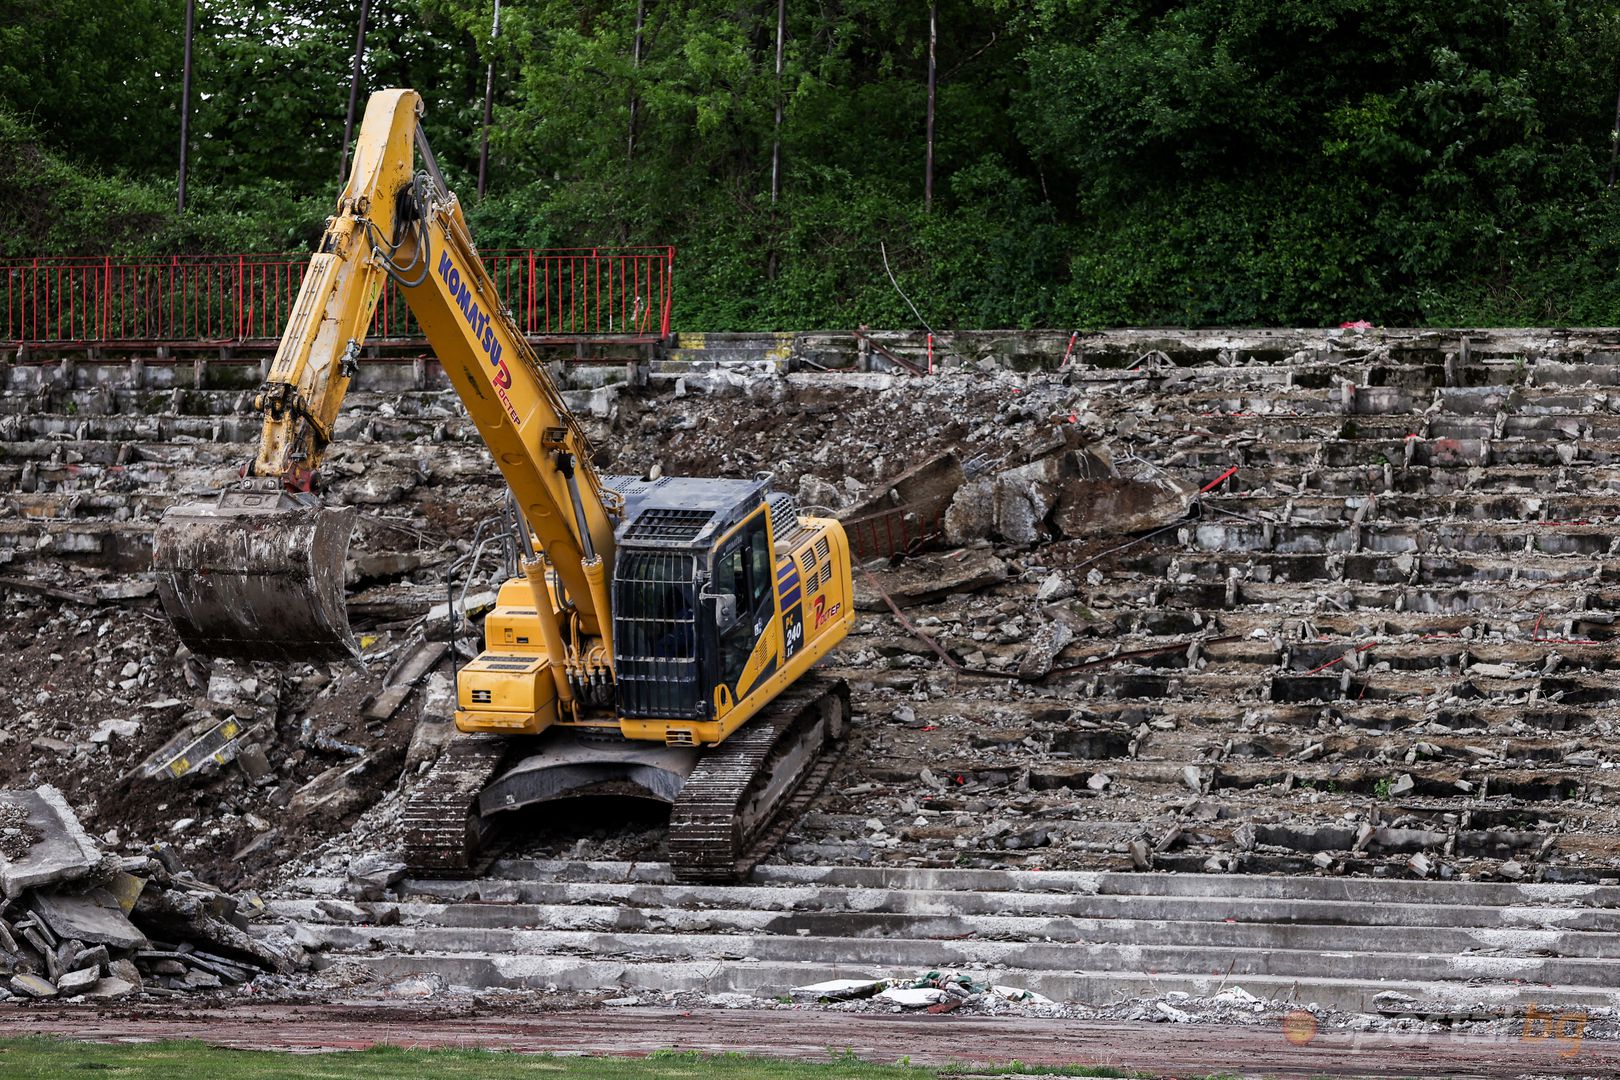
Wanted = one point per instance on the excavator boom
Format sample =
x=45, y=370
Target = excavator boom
x=258, y=573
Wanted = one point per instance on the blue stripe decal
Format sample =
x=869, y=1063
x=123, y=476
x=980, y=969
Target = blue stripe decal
x=790, y=598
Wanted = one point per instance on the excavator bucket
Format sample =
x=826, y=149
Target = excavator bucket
x=257, y=576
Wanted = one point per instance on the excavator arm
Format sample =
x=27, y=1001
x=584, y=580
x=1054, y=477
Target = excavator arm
x=259, y=573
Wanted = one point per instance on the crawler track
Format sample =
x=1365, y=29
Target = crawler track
x=444, y=833
x=735, y=807
x=743, y=794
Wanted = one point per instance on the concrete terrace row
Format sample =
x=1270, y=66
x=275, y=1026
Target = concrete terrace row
x=1439, y=948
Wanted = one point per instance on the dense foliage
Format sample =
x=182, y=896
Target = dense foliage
x=1203, y=162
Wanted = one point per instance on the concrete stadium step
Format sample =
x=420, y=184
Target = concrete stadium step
x=610, y=923
x=1200, y=957
x=1362, y=891
x=775, y=979
x=1074, y=936
x=511, y=902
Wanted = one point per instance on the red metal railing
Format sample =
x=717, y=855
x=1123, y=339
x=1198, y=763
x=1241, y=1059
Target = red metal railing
x=556, y=293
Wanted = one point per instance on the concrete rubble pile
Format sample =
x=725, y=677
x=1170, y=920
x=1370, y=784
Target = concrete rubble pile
x=934, y=992
x=1378, y=643
x=75, y=922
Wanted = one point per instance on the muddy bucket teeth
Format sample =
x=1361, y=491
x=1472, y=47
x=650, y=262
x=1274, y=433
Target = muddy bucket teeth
x=256, y=576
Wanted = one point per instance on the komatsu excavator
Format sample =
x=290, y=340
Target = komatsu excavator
x=660, y=636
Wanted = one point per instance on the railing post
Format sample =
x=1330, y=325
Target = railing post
x=528, y=309
x=103, y=315
x=669, y=289
x=241, y=330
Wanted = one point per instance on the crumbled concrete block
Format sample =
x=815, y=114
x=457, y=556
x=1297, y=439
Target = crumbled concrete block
x=73, y=983
x=124, y=969
x=95, y=956
x=203, y=980
x=1193, y=778
x=1044, y=645
x=111, y=987
x=1172, y=1014
x=123, y=729
x=254, y=763
x=33, y=985
x=1056, y=587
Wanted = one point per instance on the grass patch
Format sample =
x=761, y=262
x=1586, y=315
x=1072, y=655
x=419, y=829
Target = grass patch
x=55, y=1059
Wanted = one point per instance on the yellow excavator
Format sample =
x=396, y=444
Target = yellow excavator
x=659, y=638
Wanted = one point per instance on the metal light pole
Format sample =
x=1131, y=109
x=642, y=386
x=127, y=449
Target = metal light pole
x=354, y=90
x=185, y=103
x=635, y=65
x=776, y=143
x=928, y=165
x=489, y=102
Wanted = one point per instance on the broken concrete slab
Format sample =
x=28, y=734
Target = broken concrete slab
x=173, y=915
x=930, y=577
x=95, y=916
x=840, y=989
x=57, y=849
x=905, y=511
x=334, y=793
x=1116, y=506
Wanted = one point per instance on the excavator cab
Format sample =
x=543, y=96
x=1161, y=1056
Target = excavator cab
x=257, y=574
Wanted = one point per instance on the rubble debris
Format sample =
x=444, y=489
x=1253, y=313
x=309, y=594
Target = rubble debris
x=936, y=991
x=1044, y=646
x=32, y=985
x=106, y=927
